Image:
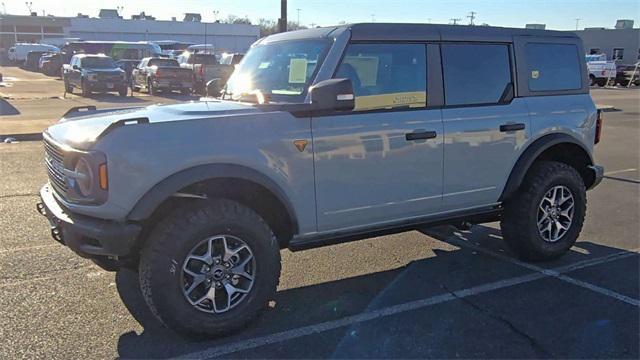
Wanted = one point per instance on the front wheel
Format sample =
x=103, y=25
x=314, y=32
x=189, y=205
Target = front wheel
x=209, y=268
x=85, y=88
x=545, y=218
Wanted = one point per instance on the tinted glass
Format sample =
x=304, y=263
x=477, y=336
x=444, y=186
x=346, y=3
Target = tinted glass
x=552, y=67
x=475, y=73
x=206, y=59
x=98, y=63
x=163, y=62
x=386, y=76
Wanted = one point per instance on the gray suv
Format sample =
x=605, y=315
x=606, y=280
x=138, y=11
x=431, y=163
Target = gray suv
x=324, y=136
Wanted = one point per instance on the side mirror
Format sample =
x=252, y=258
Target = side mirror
x=76, y=67
x=507, y=94
x=333, y=95
x=214, y=86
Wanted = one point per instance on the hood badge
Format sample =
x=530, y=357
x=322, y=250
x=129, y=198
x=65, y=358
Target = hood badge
x=300, y=144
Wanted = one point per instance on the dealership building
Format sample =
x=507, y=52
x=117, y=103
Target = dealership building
x=110, y=26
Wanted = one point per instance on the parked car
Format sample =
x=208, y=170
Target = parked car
x=627, y=73
x=91, y=73
x=156, y=74
x=601, y=70
x=18, y=52
x=204, y=67
x=231, y=58
x=324, y=136
x=32, y=60
x=128, y=65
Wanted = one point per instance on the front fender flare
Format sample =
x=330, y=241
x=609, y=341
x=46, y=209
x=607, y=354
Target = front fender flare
x=150, y=201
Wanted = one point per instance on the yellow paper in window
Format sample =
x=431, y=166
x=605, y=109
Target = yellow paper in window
x=297, y=71
x=366, y=67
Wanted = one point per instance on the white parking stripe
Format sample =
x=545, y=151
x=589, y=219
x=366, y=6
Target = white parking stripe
x=556, y=273
x=390, y=310
x=619, y=171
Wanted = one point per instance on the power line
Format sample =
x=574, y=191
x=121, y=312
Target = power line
x=471, y=16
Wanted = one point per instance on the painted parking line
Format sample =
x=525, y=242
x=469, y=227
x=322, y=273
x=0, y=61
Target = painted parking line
x=557, y=273
x=619, y=171
x=292, y=334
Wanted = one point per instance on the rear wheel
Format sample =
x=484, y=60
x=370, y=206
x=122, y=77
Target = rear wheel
x=601, y=82
x=151, y=88
x=210, y=268
x=545, y=218
x=85, y=88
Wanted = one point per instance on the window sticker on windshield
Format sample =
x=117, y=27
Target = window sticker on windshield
x=264, y=65
x=366, y=67
x=297, y=71
x=535, y=74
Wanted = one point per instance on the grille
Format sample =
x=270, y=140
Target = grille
x=108, y=77
x=54, y=161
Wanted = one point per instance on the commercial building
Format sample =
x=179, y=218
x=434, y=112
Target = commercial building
x=230, y=37
x=621, y=43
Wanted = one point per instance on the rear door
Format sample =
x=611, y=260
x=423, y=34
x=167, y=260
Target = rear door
x=483, y=134
x=381, y=162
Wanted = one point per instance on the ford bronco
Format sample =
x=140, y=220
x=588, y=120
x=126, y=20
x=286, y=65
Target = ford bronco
x=323, y=136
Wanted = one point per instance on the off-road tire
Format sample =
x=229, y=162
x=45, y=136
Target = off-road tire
x=519, y=220
x=166, y=248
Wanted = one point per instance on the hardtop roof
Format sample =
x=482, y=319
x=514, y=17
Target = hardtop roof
x=418, y=32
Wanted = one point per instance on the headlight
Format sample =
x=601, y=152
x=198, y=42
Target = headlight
x=85, y=179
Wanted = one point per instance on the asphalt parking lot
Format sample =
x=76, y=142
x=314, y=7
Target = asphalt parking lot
x=438, y=293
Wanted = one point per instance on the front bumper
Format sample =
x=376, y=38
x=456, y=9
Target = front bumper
x=107, y=86
x=598, y=174
x=87, y=236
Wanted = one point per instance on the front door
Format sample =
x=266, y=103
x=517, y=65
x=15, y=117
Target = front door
x=382, y=162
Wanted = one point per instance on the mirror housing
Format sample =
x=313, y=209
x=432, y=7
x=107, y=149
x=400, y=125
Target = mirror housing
x=333, y=95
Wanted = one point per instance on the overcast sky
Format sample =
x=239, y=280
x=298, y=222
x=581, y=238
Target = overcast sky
x=559, y=14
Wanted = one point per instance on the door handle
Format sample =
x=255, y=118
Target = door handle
x=511, y=127
x=420, y=135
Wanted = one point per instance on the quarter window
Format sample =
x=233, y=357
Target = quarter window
x=386, y=76
x=553, y=67
x=475, y=73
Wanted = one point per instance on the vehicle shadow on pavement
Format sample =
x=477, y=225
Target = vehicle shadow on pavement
x=6, y=109
x=114, y=98
x=446, y=327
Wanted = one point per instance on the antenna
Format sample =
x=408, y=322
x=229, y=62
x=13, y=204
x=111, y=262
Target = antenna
x=454, y=21
x=471, y=16
x=577, y=22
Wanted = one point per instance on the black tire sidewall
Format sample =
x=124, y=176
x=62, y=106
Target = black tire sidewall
x=166, y=289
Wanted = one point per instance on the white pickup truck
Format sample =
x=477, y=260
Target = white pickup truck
x=600, y=69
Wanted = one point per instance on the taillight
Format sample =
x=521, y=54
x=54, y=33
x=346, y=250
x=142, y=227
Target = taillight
x=158, y=74
x=598, y=127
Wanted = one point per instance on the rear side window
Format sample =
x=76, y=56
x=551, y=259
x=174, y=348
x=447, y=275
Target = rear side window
x=553, y=67
x=386, y=76
x=475, y=73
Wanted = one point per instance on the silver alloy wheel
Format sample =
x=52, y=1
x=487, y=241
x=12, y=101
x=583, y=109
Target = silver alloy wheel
x=555, y=213
x=218, y=273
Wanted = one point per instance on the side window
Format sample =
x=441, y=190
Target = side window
x=475, y=73
x=386, y=76
x=553, y=67
x=618, y=54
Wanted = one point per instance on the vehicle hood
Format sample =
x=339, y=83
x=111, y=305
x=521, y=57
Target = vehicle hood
x=80, y=130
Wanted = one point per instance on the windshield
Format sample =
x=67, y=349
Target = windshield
x=98, y=63
x=282, y=69
x=163, y=62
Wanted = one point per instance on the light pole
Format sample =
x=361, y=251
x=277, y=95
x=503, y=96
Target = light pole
x=577, y=22
x=298, y=10
x=373, y=17
x=471, y=16
x=215, y=15
x=120, y=10
x=29, y=5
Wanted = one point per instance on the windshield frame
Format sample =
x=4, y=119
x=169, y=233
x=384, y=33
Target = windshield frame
x=283, y=98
